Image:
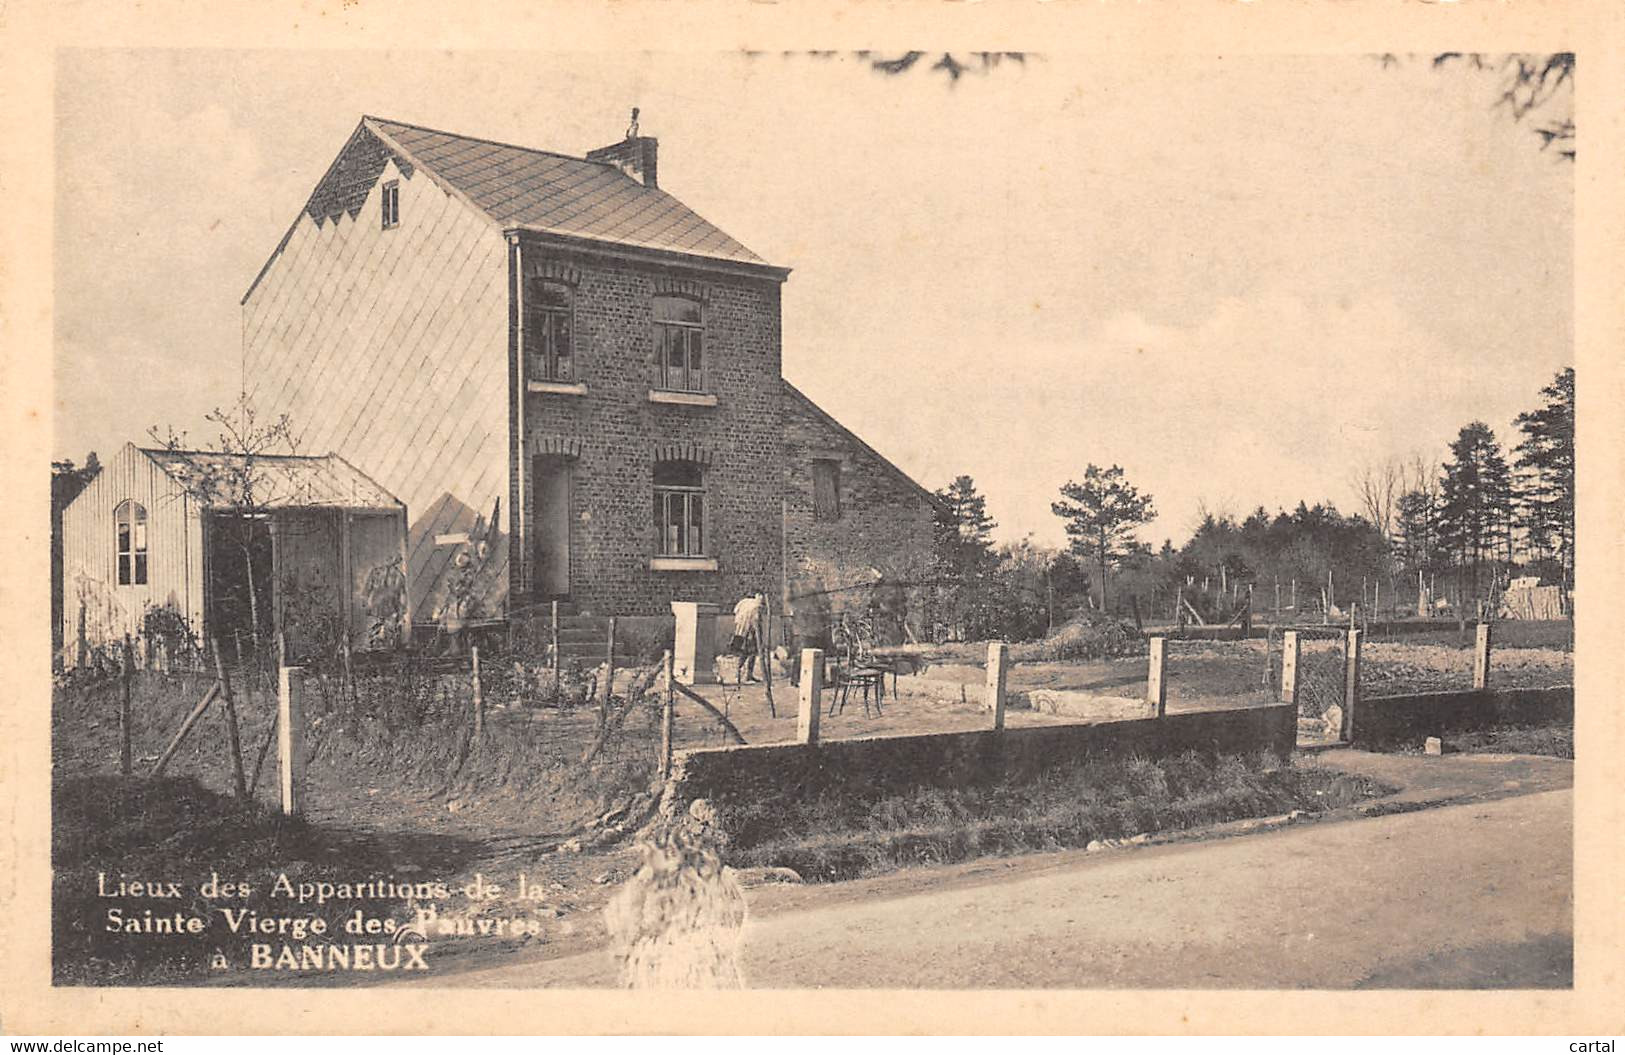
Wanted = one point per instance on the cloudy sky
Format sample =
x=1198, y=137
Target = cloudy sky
x=1238, y=278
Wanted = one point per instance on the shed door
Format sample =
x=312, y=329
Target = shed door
x=552, y=519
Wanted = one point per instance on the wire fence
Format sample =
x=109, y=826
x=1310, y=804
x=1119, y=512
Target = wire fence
x=1321, y=666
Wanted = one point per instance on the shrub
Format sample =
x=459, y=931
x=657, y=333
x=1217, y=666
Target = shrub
x=1092, y=635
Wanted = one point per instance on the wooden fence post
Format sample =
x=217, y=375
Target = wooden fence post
x=1481, y=656
x=291, y=738
x=764, y=651
x=1156, y=685
x=555, y=653
x=1351, y=685
x=667, y=708
x=479, y=697
x=812, y=685
x=998, y=658
x=124, y=709
x=349, y=675
x=236, y=747
x=1291, y=653
x=186, y=727
x=609, y=666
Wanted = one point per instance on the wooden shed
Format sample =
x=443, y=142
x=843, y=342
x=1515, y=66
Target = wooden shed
x=219, y=545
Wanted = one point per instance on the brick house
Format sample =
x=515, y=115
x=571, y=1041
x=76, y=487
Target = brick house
x=571, y=380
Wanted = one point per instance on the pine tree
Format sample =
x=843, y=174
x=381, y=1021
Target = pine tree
x=1475, y=498
x=1101, y=514
x=1545, y=475
x=964, y=555
x=1418, y=530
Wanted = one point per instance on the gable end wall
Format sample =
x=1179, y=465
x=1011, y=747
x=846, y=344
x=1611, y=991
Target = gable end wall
x=389, y=347
x=885, y=526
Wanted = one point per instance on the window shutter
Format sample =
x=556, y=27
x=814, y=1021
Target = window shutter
x=826, y=476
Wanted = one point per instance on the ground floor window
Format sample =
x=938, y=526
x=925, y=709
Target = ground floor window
x=679, y=509
x=131, y=521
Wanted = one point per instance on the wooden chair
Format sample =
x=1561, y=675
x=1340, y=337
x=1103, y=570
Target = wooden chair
x=855, y=668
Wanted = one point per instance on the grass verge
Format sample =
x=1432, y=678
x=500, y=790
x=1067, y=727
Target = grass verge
x=845, y=837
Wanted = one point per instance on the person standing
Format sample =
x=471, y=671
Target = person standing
x=747, y=637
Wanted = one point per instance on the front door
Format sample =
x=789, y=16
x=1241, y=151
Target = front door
x=552, y=519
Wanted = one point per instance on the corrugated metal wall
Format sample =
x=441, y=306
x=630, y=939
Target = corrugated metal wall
x=90, y=553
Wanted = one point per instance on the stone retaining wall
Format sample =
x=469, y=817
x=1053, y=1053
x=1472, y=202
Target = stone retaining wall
x=1387, y=720
x=882, y=765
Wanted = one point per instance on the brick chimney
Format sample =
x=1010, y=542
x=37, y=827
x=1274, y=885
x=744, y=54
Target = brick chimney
x=635, y=155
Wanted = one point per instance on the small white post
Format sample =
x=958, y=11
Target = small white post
x=998, y=658
x=290, y=737
x=696, y=642
x=666, y=714
x=1156, y=684
x=1481, y=656
x=1351, y=686
x=812, y=688
x=479, y=695
x=1291, y=652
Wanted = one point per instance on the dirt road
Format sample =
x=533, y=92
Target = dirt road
x=1474, y=895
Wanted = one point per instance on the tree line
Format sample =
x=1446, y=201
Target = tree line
x=1427, y=534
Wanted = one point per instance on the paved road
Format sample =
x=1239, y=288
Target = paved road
x=1469, y=895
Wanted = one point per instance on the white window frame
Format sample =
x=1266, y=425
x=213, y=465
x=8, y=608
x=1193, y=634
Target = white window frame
x=541, y=354
x=130, y=557
x=390, y=205
x=691, y=379
x=680, y=544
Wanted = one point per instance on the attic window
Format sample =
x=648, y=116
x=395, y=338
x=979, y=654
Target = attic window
x=390, y=214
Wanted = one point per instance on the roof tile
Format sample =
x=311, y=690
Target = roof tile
x=518, y=186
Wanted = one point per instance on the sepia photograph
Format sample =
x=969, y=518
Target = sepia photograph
x=762, y=518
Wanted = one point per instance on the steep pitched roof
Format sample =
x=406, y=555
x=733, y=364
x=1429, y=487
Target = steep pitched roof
x=519, y=188
x=281, y=481
x=522, y=187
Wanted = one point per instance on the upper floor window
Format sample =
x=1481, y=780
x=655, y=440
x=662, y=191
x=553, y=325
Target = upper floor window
x=679, y=339
x=826, y=476
x=390, y=205
x=130, y=526
x=549, y=327
x=679, y=509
